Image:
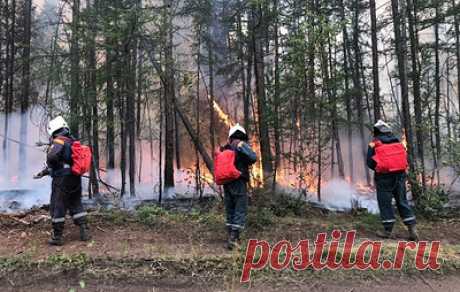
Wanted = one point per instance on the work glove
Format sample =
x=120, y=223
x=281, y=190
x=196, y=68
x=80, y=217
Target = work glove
x=236, y=143
x=38, y=175
x=41, y=174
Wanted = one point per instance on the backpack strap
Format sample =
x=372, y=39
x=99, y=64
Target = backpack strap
x=58, y=141
x=63, y=139
x=67, y=145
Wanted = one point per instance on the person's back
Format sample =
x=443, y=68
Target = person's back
x=235, y=191
x=381, y=139
x=389, y=164
x=66, y=189
x=59, y=156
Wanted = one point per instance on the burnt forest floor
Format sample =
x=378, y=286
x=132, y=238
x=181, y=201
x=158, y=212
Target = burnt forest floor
x=164, y=249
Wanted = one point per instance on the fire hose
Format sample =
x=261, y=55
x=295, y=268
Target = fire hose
x=41, y=144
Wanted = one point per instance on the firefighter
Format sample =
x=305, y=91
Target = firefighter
x=236, y=192
x=66, y=191
x=388, y=158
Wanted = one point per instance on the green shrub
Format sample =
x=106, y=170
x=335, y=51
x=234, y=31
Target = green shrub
x=283, y=205
x=431, y=203
x=280, y=204
x=260, y=217
x=150, y=214
x=368, y=221
x=77, y=261
x=116, y=216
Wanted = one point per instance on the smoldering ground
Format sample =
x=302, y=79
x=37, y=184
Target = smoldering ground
x=18, y=191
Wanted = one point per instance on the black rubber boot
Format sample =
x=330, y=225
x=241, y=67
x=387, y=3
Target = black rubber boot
x=56, y=237
x=386, y=233
x=412, y=229
x=84, y=232
x=233, y=239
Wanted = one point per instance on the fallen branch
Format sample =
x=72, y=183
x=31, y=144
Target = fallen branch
x=188, y=126
x=12, y=217
x=108, y=186
x=99, y=228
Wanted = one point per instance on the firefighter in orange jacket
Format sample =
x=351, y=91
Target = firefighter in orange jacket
x=66, y=187
x=390, y=179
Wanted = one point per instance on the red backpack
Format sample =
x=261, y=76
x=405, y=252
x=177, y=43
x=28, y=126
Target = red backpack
x=390, y=157
x=225, y=170
x=81, y=156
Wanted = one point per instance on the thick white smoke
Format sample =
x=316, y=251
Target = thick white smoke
x=18, y=190
x=339, y=194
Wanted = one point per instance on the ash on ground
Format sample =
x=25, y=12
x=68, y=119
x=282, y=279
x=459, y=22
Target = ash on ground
x=18, y=200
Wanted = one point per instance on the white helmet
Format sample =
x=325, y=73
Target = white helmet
x=235, y=128
x=56, y=124
x=383, y=127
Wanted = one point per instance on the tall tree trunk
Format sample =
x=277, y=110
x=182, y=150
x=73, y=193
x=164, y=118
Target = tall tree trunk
x=447, y=108
x=49, y=80
x=92, y=95
x=457, y=52
x=198, y=187
x=259, y=69
x=375, y=60
x=401, y=53
x=121, y=92
x=419, y=131
x=2, y=46
x=110, y=92
x=347, y=95
x=437, y=77
x=10, y=22
x=212, y=126
x=358, y=87
x=169, y=101
x=177, y=141
x=160, y=146
x=241, y=59
x=75, y=92
x=132, y=48
x=276, y=97
x=131, y=119
x=332, y=95
x=248, y=93
x=25, y=90
x=12, y=58
x=140, y=88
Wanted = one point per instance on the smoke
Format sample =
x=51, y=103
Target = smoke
x=18, y=190
x=340, y=195
x=148, y=188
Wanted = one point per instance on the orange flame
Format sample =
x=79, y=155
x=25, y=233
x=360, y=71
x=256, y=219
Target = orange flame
x=256, y=171
x=226, y=119
x=257, y=174
x=404, y=139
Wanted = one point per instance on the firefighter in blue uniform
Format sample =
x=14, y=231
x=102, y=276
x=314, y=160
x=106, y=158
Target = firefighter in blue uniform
x=391, y=184
x=66, y=191
x=236, y=192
